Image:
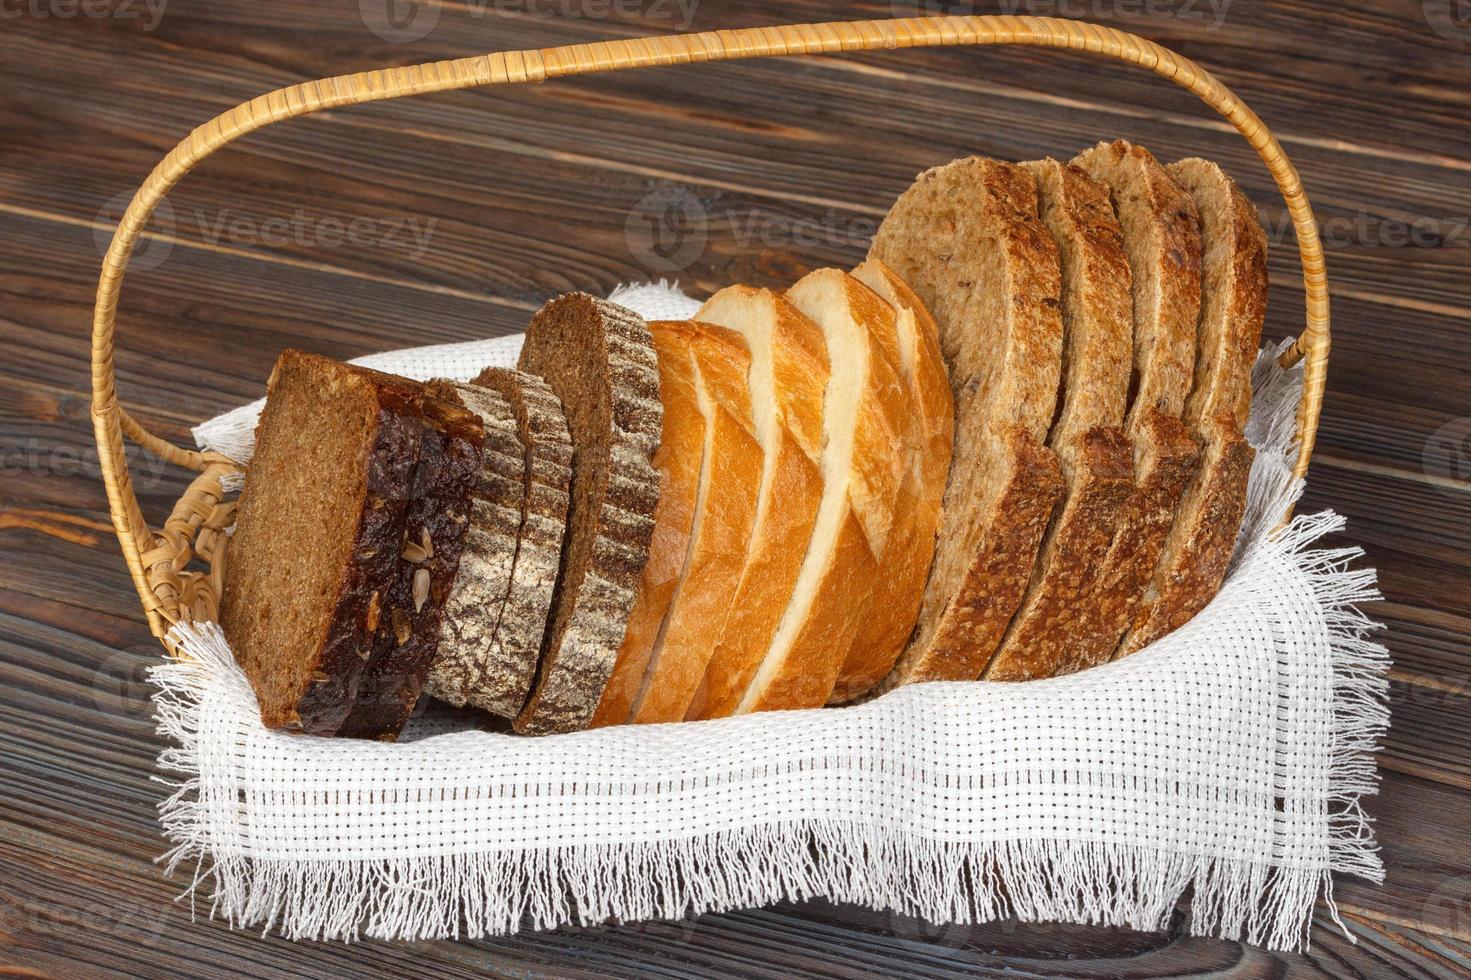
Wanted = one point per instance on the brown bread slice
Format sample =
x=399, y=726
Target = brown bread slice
x=967, y=239
x=1193, y=560
x=725, y=513
x=1096, y=458
x=1162, y=239
x=894, y=605
x=863, y=426
x=789, y=373
x=599, y=360
x=407, y=641
x=679, y=460
x=467, y=655
x=336, y=450
x=510, y=668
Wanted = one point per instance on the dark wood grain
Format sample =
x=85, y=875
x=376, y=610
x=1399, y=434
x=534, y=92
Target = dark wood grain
x=526, y=192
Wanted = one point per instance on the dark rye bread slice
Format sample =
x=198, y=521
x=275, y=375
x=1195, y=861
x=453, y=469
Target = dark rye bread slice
x=407, y=640
x=316, y=547
x=1193, y=560
x=599, y=360
x=542, y=427
x=467, y=654
x=1096, y=457
x=1162, y=239
x=967, y=239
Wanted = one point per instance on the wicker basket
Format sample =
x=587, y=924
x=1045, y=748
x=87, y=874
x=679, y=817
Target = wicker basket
x=160, y=561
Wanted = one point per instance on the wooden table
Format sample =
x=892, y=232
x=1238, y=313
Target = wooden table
x=453, y=217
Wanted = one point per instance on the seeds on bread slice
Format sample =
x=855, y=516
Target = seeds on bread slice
x=725, y=510
x=467, y=660
x=336, y=450
x=863, y=423
x=598, y=358
x=894, y=605
x=407, y=641
x=1193, y=561
x=1162, y=240
x=679, y=459
x=967, y=239
x=787, y=379
x=1096, y=458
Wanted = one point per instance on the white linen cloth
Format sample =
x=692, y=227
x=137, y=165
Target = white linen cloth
x=1228, y=758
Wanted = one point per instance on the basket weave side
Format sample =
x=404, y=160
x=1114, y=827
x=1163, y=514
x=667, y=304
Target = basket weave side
x=159, y=561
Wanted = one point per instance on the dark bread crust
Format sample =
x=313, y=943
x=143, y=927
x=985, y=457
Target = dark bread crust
x=312, y=688
x=467, y=662
x=523, y=618
x=599, y=360
x=408, y=634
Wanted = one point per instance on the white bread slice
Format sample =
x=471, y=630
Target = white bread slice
x=1096, y=458
x=863, y=421
x=1162, y=239
x=1194, y=557
x=966, y=238
x=678, y=460
x=725, y=513
x=894, y=606
x=789, y=373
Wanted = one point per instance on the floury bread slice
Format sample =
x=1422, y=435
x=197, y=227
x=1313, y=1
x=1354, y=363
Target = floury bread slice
x=894, y=606
x=679, y=460
x=467, y=655
x=1096, y=458
x=598, y=358
x=967, y=239
x=788, y=375
x=509, y=667
x=337, y=449
x=1233, y=305
x=862, y=464
x=725, y=512
x=1162, y=240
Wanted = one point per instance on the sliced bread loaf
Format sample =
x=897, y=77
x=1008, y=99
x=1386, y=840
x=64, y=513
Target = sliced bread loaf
x=967, y=239
x=679, y=461
x=1162, y=240
x=725, y=512
x=598, y=358
x=467, y=658
x=407, y=641
x=1096, y=458
x=336, y=451
x=509, y=668
x=893, y=608
x=1192, y=562
x=788, y=375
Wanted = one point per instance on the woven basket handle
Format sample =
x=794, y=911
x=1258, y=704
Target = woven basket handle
x=157, y=561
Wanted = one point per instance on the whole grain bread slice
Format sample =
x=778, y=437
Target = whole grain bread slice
x=301, y=622
x=1096, y=458
x=788, y=375
x=467, y=659
x=679, y=461
x=407, y=641
x=1162, y=240
x=967, y=239
x=894, y=605
x=725, y=513
x=1193, y=560
x=510, y=669
x=599, y=360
